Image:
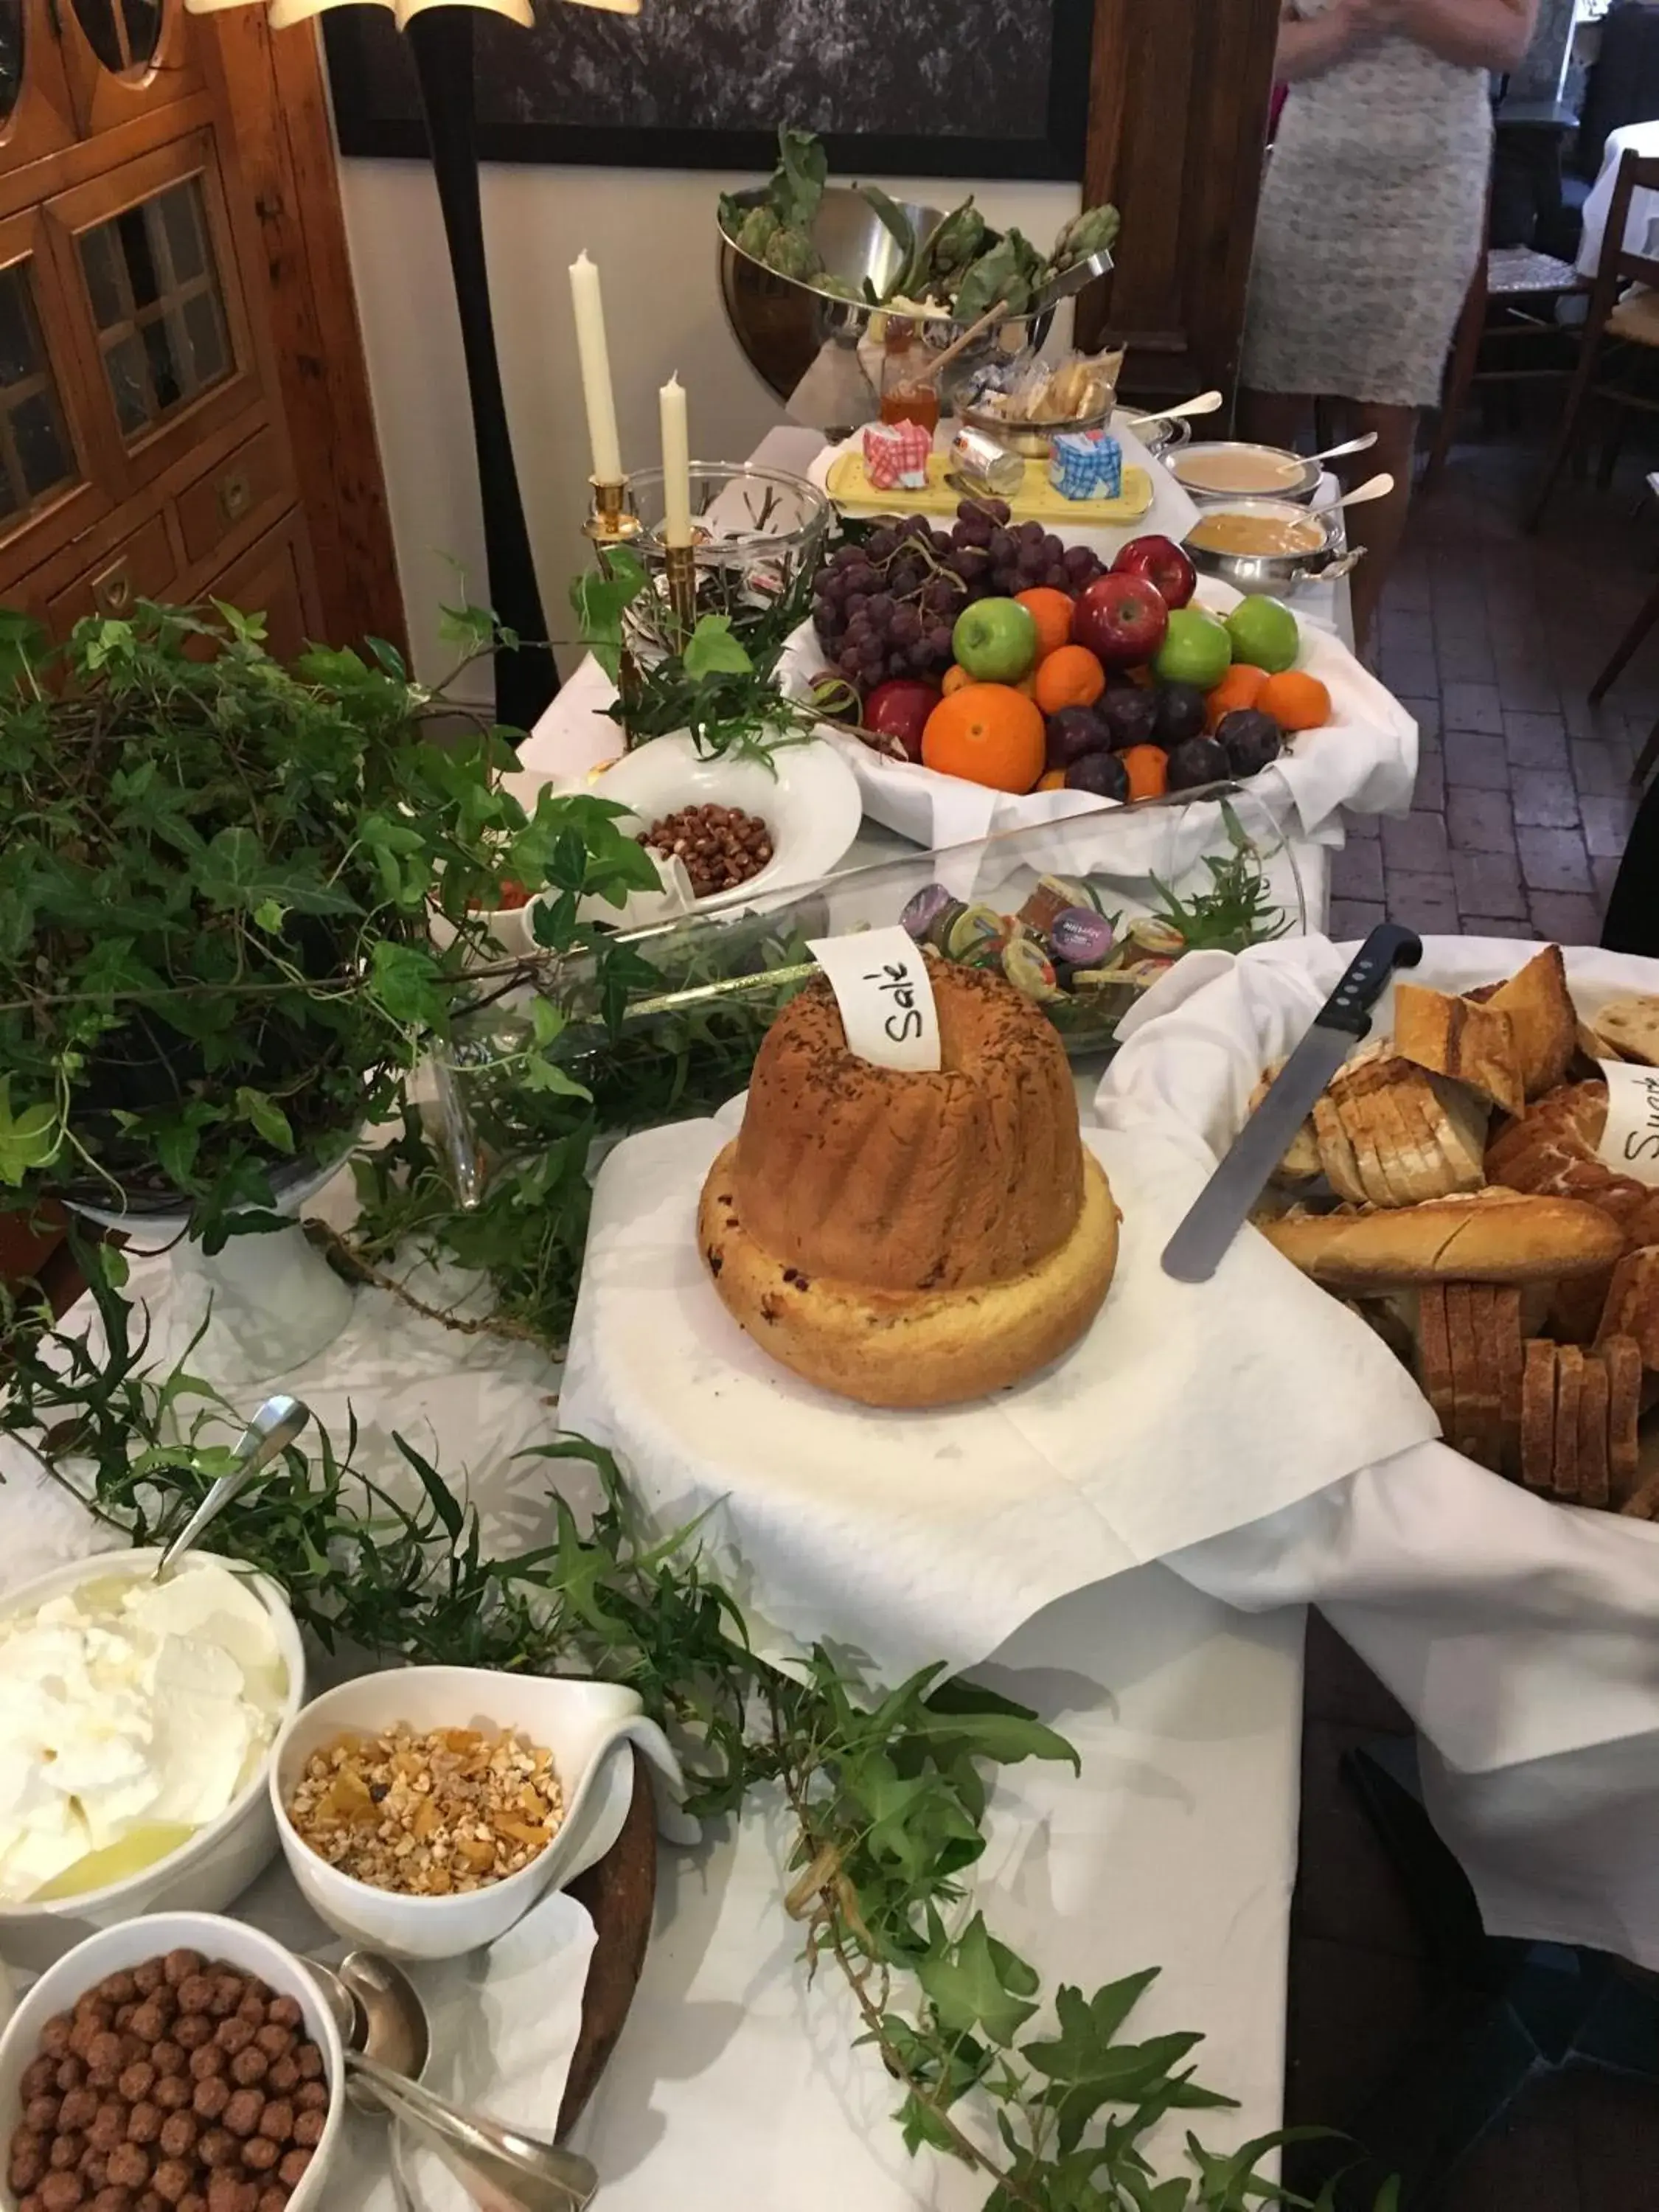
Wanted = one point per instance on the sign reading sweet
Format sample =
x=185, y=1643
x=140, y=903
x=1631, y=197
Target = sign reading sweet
x=879, y=977
x=1630, y=1143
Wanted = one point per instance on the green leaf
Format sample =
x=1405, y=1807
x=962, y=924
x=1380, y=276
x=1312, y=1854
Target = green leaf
x=407, y=981
x=441, y=1497
x=267, y=1117
x=901, y=230
x=269, y=916
x=802, y=173
x=600, y=598
x=967, y=1991
x=235, y=872
x=711, y=650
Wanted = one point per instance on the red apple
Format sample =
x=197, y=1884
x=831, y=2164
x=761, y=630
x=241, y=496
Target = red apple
x=1161, y=561
x=900, y=709
x=1122, y=620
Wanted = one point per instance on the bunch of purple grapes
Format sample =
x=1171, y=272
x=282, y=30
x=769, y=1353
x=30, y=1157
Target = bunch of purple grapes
x=886, y=607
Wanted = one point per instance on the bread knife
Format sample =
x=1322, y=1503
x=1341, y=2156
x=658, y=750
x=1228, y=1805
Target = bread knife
x=1221, y=1208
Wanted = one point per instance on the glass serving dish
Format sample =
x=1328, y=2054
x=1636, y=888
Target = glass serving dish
x=755, y=532
x=685, y=1042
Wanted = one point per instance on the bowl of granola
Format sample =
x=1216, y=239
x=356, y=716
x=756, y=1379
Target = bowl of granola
x=422, y=1811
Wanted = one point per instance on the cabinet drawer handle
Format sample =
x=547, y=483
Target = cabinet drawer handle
x=235, y=494
x=112, y=592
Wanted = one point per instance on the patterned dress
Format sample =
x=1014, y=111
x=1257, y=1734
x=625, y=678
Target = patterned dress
x=1372, y=220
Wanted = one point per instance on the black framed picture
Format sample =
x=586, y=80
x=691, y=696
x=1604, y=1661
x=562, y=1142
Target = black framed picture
x=932, y=88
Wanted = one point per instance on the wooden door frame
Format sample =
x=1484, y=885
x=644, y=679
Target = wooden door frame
x=282, y=180
x=1225, y=76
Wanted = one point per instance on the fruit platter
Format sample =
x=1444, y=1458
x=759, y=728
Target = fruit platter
x=981, y=672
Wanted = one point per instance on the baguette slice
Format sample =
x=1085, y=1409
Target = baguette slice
x=1456, y=1037
x=1568, y=1389
x=1460, y=1330
x=1506, y=1331
x=1301, y=1162
x=1416, y=1164
x=1538, y=1415
x=1631, y=1026
x=1489, y=1237
x=1592, y=1488
x=1360, y=1113
x=1434, y=1353
x=1623, y=1361
x=1336, y=1154
x=1632, y=1302
x=1543, y=1018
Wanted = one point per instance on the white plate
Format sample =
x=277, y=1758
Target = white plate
x=811, y=805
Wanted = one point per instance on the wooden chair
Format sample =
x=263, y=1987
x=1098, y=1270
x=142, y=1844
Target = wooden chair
x=1633, y=322
x=1501, y=317
x=1624, y=653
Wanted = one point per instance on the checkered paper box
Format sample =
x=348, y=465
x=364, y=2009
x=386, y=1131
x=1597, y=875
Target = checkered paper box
x=1086, y=464
x=896, y=455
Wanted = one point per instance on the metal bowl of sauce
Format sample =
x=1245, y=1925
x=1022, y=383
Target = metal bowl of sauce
x=1270, y=545
x=1226, y=469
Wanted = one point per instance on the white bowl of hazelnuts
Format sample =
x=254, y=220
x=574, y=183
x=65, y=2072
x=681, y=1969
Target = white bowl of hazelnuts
x=183, y=2059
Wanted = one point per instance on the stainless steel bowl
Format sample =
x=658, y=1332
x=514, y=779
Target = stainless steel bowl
x=804, y=341
x=1300, y=488
x=1034, y=442
x=1280, y=574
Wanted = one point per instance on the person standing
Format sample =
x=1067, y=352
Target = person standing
x=1373, y=218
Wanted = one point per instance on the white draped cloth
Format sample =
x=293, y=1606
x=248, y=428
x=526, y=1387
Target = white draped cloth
x=1521, y=1636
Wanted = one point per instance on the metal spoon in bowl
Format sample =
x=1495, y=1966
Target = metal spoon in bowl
x=1376, y=486
x=272, y=1430
x=1205, y=403
x=383, y=2026
x=1363, y=444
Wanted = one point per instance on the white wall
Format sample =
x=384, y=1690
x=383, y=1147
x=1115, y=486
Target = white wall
x=651, y=232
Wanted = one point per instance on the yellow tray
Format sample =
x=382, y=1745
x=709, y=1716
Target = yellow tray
x=1036, y=501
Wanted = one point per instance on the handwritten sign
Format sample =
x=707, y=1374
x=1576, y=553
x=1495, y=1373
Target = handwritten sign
x=1630, y=1143
x=879, y=977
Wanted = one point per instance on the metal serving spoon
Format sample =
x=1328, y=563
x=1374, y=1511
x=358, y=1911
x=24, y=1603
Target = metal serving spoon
x=1362, y=444
x=1377, y=487
x=1205, y=403
x=272, y=1430
x=384, y=2028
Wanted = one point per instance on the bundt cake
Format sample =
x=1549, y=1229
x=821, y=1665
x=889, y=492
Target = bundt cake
x=905, y=1238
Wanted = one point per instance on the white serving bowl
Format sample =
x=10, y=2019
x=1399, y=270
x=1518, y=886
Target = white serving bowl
x=811, y=805
x=583, y=1724
x=111, y=1950
x=220, y=1860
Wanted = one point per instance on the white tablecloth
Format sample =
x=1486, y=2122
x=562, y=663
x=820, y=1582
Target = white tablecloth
x=1642, y=231
x=1176, y=1848
x=1521, y=1636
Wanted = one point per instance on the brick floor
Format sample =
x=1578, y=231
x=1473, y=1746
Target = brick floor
x=1491, y=639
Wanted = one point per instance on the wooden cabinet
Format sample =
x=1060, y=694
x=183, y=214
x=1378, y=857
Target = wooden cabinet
x=1178, y=101
x=143, y=449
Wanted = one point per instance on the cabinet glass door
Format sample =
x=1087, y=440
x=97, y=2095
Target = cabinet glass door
x=123, y=57
x=52, y=444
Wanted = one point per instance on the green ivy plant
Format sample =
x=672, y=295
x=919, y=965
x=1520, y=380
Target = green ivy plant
x=1037, y=2091
x=216, y=895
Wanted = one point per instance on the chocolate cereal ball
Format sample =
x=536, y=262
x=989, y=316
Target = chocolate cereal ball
x=242, y=2112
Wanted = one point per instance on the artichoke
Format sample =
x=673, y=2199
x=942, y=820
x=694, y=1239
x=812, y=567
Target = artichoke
x=1094, y=231
x=756, y=232
x=792, y=253
x=957, y=239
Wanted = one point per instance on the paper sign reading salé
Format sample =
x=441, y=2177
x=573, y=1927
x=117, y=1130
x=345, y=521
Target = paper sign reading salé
x=1630, y=1143
x=879, y=977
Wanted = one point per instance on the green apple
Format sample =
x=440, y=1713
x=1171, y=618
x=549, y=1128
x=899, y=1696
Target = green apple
x=995, y=640
x=1265, y=635
x=1196, y=650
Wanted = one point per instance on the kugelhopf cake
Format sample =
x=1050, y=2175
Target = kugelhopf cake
x=905, y=1238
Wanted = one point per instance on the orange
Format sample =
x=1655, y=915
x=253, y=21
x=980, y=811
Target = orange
x=1070, y=677
x=1054, y=780
x=1051, y=611
x=985, y=734
x=1240, y=687
x=1147, y=768
x=955, y=678
x=1026, y=687
x=1296, y=702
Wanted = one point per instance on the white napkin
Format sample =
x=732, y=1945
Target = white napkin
x=922, y=1536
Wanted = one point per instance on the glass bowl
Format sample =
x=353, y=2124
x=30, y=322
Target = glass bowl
x=757, y=533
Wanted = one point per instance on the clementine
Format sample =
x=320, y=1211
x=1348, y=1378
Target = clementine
x=1053, y=779
x=1147, y=768
x=1070, y=677
x=1051, y=610
x=985, y=734
x=956, y=677
x=1240, y=687
x=1295, y=701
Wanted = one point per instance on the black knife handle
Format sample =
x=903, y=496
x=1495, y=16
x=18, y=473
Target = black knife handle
x=1388, y=947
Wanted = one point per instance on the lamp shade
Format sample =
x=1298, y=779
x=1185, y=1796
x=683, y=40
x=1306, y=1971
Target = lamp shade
x=281, y=13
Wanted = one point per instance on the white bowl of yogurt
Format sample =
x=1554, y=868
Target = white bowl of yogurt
x=135, y=1733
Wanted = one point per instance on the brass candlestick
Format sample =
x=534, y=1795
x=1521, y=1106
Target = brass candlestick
x=611, y=524
x=680, y=564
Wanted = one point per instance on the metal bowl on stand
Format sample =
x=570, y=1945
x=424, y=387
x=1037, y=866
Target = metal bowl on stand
x=1277, y=573
x=803, y=340
x=1203, y=469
